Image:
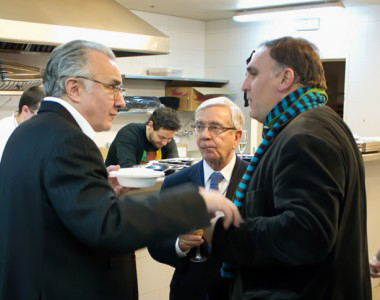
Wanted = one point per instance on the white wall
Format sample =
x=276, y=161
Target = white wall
x=352, y=35
x=187, y=41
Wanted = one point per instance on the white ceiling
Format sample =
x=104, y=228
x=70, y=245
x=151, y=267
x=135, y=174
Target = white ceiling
x=204, y=9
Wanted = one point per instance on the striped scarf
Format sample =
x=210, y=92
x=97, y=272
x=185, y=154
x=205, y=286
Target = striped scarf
x=301, y=100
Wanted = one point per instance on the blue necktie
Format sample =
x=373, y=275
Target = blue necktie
x=215, y=178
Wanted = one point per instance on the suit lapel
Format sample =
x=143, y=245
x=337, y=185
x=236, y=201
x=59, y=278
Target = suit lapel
x=237, y=173
x=196, y=174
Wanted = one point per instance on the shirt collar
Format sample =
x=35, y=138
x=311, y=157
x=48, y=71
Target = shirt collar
x=226, y=171
x=82, y=122
x=14, y=119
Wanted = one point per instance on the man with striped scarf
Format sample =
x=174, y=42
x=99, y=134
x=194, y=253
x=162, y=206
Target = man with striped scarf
x=303, y=195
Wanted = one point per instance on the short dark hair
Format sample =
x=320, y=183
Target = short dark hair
x=165, y=117
x=32, y=98
x=300, y=55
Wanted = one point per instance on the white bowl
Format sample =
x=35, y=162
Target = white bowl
x=136, y=177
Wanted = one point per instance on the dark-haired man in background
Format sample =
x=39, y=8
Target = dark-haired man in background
x=303, y=196
x=28, y=106
x=138, y=143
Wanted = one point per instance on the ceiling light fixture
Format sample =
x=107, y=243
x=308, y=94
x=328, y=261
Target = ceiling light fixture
x=288, y=11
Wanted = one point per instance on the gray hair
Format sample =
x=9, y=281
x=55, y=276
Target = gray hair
x=69, y=60
x=237, y=116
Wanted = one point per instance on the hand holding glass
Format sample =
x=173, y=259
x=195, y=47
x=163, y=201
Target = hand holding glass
x=198, y=256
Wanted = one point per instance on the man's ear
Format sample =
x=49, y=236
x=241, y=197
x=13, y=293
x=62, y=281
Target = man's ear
x=237, y=138
x=72, y=88
x=150, y=124
x=25, y=109
x=287, y=80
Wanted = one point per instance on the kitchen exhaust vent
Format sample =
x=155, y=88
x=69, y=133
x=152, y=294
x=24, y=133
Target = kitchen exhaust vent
x=18, y=77
x=41, y=25
x=25, y=47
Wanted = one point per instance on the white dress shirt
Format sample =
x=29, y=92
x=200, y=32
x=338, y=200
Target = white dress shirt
x=223, y=186
x=7, y=126
x=82, y=122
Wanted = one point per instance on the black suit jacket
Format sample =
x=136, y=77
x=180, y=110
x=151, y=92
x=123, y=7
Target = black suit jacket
x=195, y=281
x=63, y=232
x=304, y=233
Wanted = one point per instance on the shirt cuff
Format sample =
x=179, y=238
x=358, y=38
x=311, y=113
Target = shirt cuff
x=178, y=250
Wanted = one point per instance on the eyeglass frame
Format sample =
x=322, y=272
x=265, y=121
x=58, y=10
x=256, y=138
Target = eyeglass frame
x=162, y=138
x=116, y=89
x=33, y=111
x=222, y=129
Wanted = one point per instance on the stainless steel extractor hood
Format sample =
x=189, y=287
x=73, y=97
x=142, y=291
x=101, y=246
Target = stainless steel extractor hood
x=40, y=25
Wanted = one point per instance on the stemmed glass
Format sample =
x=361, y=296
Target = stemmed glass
x=198, y=256
x=243, y=141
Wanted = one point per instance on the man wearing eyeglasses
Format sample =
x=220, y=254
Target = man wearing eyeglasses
x=218, y=128
x=65, y=230
x=139, y=143
x=28, y=106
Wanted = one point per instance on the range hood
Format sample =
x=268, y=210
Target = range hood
x=40, y=25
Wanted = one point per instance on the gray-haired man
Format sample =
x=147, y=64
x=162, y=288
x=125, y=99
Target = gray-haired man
x=63, y=229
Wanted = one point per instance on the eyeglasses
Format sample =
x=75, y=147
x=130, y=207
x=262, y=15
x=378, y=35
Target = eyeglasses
x=163, y=138
x=213, y=129
x=116, y=89
x=33, y=111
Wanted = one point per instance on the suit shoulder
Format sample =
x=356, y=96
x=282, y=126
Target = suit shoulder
x=180, y=177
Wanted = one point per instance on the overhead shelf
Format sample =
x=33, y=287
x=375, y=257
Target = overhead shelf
x=180, y=81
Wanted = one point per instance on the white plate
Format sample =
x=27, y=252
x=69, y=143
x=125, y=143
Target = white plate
x=136, y=172
x=136, y=177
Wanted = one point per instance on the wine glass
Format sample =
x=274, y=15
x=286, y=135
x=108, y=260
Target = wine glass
x=243, y=141
x=198, y=256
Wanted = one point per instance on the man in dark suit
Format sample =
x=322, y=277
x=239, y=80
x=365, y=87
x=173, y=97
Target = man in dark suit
x=64, y=232
x=303, y=197
x=218, y=127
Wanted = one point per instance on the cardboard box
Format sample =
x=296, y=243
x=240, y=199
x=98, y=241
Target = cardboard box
x=192, y=97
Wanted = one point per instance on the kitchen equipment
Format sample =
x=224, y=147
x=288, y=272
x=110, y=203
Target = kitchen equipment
x=170, y=101
x=166, y=166
x=40, y=25
x=133, y=103
x=136, y=177
x=167, y=169
x=164, y=72
x=16, y=77
x=180, y=161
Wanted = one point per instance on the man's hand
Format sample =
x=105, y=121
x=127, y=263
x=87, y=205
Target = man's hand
x=119, y=190
x=374, y=266
x=209, y=231
x=216, y=202
x=188, y=241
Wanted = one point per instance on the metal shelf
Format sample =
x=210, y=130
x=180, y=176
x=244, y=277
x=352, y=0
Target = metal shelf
x=180, y=81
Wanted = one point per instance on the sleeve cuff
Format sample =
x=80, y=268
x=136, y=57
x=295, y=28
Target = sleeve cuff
x=178, y=250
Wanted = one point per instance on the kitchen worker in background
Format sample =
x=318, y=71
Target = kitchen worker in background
x=218, y=127
x=303, y=197
x=374, y=265
x=63, y=229
x=28, y=106
x=139, y=143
